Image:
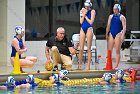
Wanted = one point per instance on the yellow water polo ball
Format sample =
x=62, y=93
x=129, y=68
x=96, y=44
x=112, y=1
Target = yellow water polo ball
x=49, y=65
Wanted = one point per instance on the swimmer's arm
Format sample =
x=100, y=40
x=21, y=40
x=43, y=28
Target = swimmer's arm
x=108, y=24
x=83, y=11
x=47, y=53
x=3, y=87
x=82, y=19
x=90, y=21
x=15, y=44
x=116, y=81
x=24, y=86
x=103, y=82
x=123, y=19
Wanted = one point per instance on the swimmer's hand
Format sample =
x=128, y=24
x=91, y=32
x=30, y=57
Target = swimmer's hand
x=122, y=37
x=106, y=36
x=25, y=49
x=83, y=12
x=21, y=51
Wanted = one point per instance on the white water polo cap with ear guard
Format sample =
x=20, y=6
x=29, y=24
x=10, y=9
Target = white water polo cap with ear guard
x=63, y=73
x=107, y=76
x=10, y=80
x=120, y=74
x=117, y=6
x=55, y=78
x=88, y=3
x=30, y=79
x=19, y=29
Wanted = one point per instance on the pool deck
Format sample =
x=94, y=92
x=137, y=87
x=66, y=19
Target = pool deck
x=5, y=71
x=123, y=65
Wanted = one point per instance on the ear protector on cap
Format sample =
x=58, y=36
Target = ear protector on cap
x=120, y=74
x=18, y=29
x=10, y=80
x=63, y=73
x=30, y=78
x=117, y=6
x=55, y=78
x=107, y=76
x=88, y=3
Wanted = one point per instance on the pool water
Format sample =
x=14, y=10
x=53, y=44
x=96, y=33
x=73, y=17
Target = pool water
x=126, y=88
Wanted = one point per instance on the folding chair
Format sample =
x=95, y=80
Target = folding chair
x=76, y=38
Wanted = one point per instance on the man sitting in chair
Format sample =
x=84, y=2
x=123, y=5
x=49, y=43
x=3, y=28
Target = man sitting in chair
x=61, y=49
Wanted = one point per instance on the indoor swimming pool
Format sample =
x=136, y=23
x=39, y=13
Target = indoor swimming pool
x=126, y=88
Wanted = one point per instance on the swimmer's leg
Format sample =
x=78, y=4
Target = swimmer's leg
x=89, y=36
x=110, y=43
x=82, y=42
x=118, y=44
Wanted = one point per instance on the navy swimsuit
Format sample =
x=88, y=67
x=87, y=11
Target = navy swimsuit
x=13, y=54
x=116, y=25
x=85, y=25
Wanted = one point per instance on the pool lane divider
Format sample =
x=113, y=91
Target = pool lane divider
x=71, y=82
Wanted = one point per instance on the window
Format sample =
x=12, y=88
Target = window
x=43, y=17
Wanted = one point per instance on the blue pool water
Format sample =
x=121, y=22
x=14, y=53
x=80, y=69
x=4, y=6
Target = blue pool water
x=126, y=88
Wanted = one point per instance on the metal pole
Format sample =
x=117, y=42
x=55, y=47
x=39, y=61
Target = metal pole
x=139, y=14
x=50, y=16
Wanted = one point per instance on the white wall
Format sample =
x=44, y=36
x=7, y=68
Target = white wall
x=102, y=50
x=37, y=48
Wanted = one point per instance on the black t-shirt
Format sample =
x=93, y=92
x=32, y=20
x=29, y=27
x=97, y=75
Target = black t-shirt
x=61, y=45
